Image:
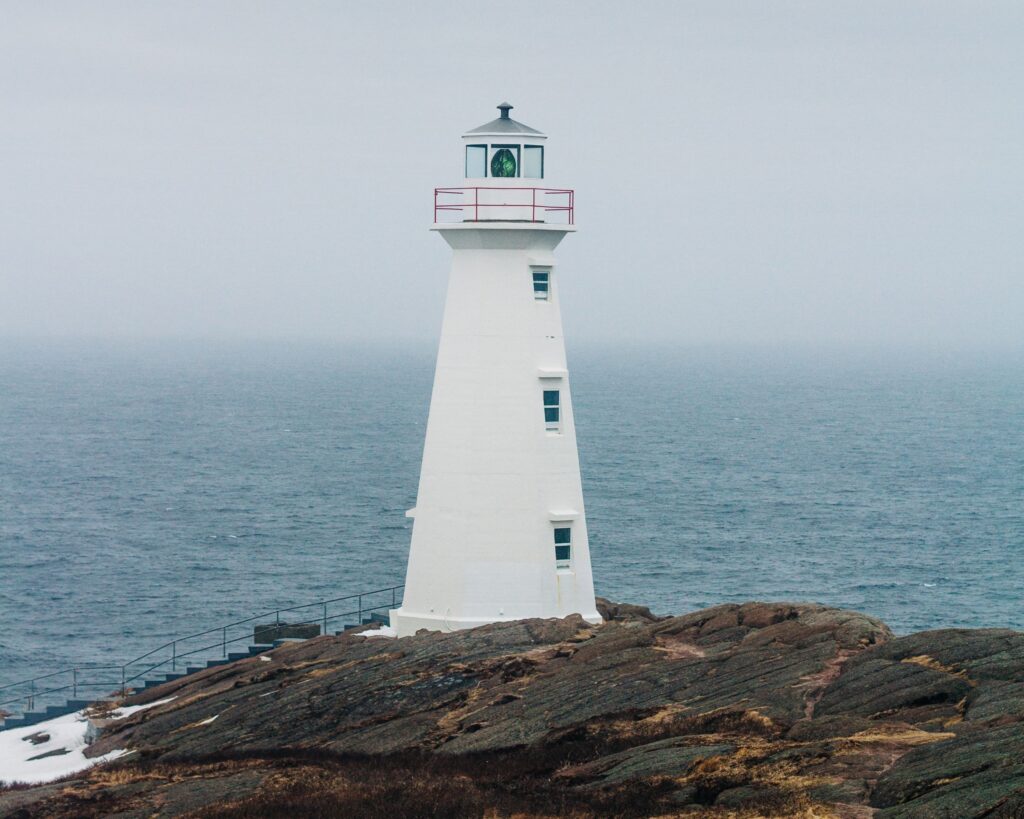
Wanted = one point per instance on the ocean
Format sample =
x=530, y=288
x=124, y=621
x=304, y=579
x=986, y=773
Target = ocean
x=154, y=489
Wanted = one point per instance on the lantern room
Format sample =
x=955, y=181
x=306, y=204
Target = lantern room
x=504, y=149
x=504, y=166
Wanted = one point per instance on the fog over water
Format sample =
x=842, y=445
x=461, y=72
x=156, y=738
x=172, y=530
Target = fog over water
x=811, y=173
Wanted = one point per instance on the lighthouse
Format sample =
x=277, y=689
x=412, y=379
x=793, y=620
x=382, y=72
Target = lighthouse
x=499, y=530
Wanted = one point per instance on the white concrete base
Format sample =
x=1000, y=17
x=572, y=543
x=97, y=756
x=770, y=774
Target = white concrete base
x=406, y=624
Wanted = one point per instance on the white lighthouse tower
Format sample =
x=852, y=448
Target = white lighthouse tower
x=499, y=531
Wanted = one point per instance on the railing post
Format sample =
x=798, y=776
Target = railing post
x=174, y=655
x=123, y=682
x=476, y=204
x=360, y=609
x=277, y=617
x=533, y=206
x=325, y=618
x=32, y=696
x=74, y=683
x=224, y=642
x=393, y=596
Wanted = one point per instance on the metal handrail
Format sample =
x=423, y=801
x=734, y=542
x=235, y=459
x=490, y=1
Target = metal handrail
x=323, y=619
x=476, y=204
x=276, y=612
x=225, y=642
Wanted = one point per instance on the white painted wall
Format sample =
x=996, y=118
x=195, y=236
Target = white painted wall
x=493, y=479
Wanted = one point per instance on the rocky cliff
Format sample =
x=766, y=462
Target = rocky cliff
x=753, y=710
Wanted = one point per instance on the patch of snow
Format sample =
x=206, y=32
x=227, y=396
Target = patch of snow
x=128, y=710
x=264, y=658
x=208, y=721
x=66, y=734
x=383, y=631
x=19, y=756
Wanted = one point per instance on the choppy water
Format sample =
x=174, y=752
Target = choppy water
x=151, y=491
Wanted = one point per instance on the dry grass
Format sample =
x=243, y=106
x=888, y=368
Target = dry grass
x=320, y=672
x=900, y=735
x=677, y=647
x=409, y=785
x=925, y=661
x=528, y=782
x=102, y=709
x=319, y=784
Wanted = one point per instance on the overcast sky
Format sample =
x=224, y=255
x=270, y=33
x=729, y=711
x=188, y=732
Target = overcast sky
x=769, y=173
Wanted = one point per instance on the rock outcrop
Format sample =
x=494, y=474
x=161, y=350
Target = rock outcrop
x=740, y=710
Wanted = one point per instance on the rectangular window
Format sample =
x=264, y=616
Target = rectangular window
x=551, y=410
x=542, y=285
x=533, y=161
x=563, y=547
x=476, y=161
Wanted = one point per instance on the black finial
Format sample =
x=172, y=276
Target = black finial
x=504, y=108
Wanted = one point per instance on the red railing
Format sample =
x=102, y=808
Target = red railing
x=526, y=205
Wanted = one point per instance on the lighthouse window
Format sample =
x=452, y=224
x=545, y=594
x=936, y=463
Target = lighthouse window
x=551, y=409
x=476, y=161
x=505, y=160
x=533, y=161
x=542, y=285
x=563, y=547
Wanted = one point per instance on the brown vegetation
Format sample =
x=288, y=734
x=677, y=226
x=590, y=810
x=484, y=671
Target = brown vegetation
x=769, y=710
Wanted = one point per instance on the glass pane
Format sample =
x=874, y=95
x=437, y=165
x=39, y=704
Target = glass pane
x=551, y=415
x=550, y=398
x=562, y=553
x=476, y=161
x=503, y=163
x=540, y=275
x=540, y=287
x=533, y=161
x=563, y=534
